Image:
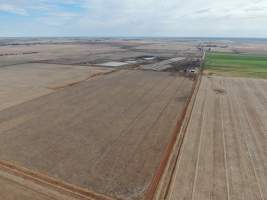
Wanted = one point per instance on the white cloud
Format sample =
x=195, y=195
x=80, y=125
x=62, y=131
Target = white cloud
x=148, y=17
x=12, y=9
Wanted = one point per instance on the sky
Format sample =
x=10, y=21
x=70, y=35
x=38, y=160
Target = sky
x=133, y=18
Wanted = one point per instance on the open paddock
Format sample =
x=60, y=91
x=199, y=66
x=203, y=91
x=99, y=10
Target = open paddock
x=21, y=83
x=106, y=134
x=224, y=151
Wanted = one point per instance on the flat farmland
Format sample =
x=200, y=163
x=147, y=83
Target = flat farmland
x=106, y=134
x=88, y=52
x=24, y=82
x=10, y=190
x=224, y=151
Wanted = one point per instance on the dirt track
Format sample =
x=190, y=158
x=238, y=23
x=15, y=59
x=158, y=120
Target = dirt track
x=10, y=190
x=224, y=152
x=106, y=134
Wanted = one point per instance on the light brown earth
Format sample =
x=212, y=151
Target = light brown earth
x=10, y=190
x=258, y=47
x=59, y=53
x=106, y=134
x=17, y=185
x=20, y=83
x=88, y=52
x=224, y=152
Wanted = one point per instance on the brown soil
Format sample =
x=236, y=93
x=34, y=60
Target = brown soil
x=223, y=154
x=106, y=134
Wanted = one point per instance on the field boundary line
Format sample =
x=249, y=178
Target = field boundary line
x=159, y=187
x=50, y=183
x=80, y=81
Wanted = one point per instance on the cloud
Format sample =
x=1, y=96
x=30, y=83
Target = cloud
x=206, y=10
x=142, y=17
x=12, y=9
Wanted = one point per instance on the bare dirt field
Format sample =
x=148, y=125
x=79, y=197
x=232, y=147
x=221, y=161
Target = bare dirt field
x=224, y=152
x=59, y=53
x=88, y=52
x=235, y=45
x=14, y=187
x=10, y=190
x=105, y=130
x=20, y=83
x=106, y=134
x=102, y=129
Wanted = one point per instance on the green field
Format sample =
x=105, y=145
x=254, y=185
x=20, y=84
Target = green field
x=230, y=64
